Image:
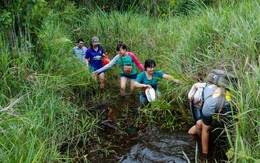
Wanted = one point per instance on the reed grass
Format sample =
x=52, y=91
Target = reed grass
x=52, y=82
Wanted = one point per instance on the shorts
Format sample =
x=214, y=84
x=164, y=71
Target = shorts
x=92, y=69
x=143, y=100
x=196, y=112
x=225, y=116
x=131, y=77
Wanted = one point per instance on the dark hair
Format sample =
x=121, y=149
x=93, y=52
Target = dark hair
x=121, y=45
x=80, y=39
x=149, y=63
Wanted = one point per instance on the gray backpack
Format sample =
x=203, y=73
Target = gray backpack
x=223, y=79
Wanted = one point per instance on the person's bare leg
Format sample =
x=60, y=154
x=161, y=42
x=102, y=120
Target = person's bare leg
x=94, y=76
x=102, y=81
x=196, y=129
x=205, y=138
x=192, y=130
x=132, y=86
x=123, y=82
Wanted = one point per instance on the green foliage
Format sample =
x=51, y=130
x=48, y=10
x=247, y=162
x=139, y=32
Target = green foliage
x=19, y=21
x=38, y=69
x=5, y=18
x=183, y=7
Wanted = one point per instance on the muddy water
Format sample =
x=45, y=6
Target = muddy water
x=160, y=146
x=124, y=138
x=141, y=142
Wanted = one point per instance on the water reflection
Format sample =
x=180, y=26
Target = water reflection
x=161, y=146
x=142, y=143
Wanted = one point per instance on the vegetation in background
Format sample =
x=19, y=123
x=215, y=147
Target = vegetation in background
x=42, y=85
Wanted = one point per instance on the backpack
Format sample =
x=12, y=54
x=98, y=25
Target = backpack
x=223, y=79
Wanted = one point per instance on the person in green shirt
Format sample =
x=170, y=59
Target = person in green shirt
x=128, y=71
x=149, y=79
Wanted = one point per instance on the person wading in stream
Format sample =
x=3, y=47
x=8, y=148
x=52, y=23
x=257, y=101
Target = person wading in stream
x=127, y=62
x=207, y=99
x=93, y=60
x=149, y=79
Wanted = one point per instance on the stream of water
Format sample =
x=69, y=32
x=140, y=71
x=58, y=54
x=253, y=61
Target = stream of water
x=127, y=140
x=161, y=146
x=146, y=143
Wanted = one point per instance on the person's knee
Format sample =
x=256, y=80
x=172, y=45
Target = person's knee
x=192, y=130
x=122, y=88
x=199, y=124
x=132, y=89
x=102, y=79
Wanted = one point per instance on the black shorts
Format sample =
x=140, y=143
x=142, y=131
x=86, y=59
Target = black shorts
x=225, y=116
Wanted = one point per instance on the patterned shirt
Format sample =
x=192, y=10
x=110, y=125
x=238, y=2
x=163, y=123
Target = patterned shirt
x=80, y=53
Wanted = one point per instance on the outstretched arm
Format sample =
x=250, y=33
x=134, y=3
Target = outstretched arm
x=140, y=85
x=110, y=64
x=166, y=76
x=136, y=61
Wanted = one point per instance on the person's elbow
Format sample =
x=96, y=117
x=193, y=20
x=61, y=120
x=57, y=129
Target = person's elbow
x=136, y=84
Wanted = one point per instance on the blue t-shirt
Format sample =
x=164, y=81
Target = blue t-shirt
x=142, y=78
x=95, y=57
x=80, y=53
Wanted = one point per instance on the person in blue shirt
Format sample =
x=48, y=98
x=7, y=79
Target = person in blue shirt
x=93, y=60
x=149, y=79
x=80, y=50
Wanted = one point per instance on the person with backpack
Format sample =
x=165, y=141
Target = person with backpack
x=80, y=50
x=93, y=58
x=127, y=62
x=196, y=100
x=212, y=101
x=149, y=79
x=214, y=97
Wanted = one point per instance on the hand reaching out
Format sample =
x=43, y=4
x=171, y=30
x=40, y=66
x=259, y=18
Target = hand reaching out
x=95, y=72
x=176, y=80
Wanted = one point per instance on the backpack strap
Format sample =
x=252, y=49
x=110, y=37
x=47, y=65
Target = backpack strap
x=221, y=101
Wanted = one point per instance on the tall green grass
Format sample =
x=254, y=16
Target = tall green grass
x=52, y=83
x=46, y=116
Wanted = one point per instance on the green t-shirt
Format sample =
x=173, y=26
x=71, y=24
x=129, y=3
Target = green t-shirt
x=128, y=61
x=142, y=78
